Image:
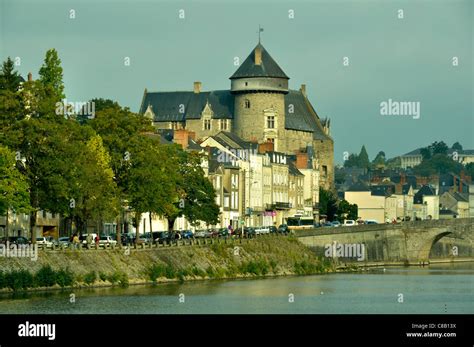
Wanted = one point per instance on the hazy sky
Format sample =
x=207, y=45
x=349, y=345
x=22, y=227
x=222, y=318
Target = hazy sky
x=409, y=59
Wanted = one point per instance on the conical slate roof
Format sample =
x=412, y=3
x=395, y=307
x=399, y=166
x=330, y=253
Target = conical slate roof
x=267, y=68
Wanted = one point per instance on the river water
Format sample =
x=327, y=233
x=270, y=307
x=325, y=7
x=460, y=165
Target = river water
x=438, y=289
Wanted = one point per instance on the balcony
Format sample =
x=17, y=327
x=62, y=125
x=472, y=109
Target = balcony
x=278, y=206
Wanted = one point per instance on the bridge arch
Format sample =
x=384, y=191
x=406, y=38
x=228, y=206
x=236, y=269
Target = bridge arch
x=427, y=245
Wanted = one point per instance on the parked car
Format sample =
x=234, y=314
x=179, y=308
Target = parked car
x=349, y=222
x=84, y=238
x=223, y=232
x=200, y=234
x=273, y=229
x=336, y=223
x=19, y=240
x=262, y=230
x=283, y=228
x=107, y=240
x=249, y=232
x=64, y=241
x=327, y=224
x=187, y=234
x=43, y=241
x=371, y=221
x=161, y=237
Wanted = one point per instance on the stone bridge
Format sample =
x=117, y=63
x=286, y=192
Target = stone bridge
x=407, y=243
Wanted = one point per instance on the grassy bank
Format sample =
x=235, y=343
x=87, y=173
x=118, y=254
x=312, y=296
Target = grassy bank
x=264, y=256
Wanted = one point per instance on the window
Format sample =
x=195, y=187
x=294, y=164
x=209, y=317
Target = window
x=247, y=103
x=271, y=122
x=325, y=170
x=272, y=140
x=246, y=84
x=207, y=124
x=223, y=124
x=226, y=201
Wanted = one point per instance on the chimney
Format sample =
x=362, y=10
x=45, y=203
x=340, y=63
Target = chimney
x=265, y=147
x=197, y=87
x=460, y=181
x=301, y=160
x=402, y=178
x=258, y=55
x=303, y=89
x=181, y=137
x=30, y=77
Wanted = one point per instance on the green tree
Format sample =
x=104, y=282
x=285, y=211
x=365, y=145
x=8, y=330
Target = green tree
x=439, y=148
x=363, y=158
x=438, y=164
x=345, y=210
x=327, y=203
x=14, y=188
x=51, y=75
x=352, y=161
x=379, y=160
x=425, y=153
x=457, y=146
x=9, y=78
x=470, y=170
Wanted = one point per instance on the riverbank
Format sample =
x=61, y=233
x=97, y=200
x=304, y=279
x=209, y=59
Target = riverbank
x=223, y=259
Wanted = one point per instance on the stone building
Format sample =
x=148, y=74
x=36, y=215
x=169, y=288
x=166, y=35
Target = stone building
x=259, y=108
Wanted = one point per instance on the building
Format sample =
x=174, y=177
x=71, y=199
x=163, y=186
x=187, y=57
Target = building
x=456, y=202
x=259, y=107
x=370, y=207
x=426, y=203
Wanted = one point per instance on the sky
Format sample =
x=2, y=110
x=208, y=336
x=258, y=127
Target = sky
x=352, y=56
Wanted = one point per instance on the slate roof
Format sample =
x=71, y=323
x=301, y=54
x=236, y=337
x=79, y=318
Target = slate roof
x=166, y=107
x=358, y=187
x=382, y=190
x=268, y=67
x=293, y=170
x=424, y=191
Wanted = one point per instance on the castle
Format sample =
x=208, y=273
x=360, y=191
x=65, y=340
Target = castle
x=259, y=108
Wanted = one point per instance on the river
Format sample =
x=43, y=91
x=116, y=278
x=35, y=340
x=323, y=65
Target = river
x=438, y=289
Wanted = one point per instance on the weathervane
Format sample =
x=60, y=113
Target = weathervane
x=260, y=29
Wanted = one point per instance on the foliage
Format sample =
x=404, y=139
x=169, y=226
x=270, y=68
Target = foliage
x=45, y=277
x=90, y=278
x=327, y=203
x=51, y=75
x=14, y=190
x=345, y=210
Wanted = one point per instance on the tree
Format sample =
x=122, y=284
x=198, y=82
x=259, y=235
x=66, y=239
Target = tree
x=14, y=188
x=379, y=160
x=439, y=148
x=345, y=210
x=363, y=158
x=327, y=204
x=470, y=170
x=51, y=75
x=425, y=153
x=9, y=78
x=437, y=164
x=457, y=146
x=352, y=161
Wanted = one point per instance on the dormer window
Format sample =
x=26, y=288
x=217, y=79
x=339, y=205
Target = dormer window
x=207, y=124
x=247, y=103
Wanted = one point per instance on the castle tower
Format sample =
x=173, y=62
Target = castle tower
x=259, y=86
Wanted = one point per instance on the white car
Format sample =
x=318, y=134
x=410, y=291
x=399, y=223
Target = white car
x=349, y=222
x=106, y=240
x=262, y=230
x=44, y=241
x=84, y=238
